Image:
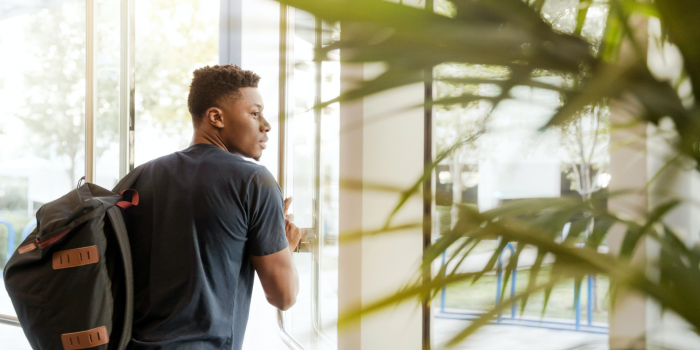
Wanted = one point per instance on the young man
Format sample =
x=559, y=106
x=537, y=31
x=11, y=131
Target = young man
x=207, y=219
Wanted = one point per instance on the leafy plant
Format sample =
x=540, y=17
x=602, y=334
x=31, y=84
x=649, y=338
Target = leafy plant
x=515, y=36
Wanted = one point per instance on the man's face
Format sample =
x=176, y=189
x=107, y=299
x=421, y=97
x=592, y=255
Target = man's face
x=245, y=130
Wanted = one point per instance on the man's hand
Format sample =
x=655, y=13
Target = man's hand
x=292, y=231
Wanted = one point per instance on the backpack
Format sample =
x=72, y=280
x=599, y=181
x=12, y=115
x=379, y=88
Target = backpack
x=71, y=279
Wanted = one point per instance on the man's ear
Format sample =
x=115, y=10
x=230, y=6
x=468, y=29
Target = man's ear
x=215, y=117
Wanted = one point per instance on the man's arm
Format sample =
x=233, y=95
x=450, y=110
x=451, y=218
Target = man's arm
x=277, y=272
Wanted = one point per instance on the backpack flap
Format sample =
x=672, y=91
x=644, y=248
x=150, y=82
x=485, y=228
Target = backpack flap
x=63, y=278
x=56, y=219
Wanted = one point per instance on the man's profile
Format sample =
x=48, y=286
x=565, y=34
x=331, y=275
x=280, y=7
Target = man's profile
x=207, y=221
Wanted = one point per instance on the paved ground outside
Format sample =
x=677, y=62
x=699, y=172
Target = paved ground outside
x=499, y=337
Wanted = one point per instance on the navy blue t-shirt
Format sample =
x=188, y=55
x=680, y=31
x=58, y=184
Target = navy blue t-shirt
x=202, y=213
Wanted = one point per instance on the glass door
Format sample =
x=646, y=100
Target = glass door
x=311, y=165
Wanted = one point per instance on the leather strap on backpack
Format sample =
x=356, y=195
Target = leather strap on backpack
x=115, y=217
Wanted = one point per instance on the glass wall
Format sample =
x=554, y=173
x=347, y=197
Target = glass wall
x=107, y=69
x=329, y=194
x=313, y=168
x=42, y=116
x=173, y=38
x=42, y=108
x=510, y=159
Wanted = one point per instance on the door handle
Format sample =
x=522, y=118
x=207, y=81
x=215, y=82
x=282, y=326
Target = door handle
x=308, y=238
x=9, y=320
x=286, y=337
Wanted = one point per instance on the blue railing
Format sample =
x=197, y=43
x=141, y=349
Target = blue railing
x=10, y=237
x=11, y=234
x=589, y=327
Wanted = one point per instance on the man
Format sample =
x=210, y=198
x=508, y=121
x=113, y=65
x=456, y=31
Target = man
x=208, y=219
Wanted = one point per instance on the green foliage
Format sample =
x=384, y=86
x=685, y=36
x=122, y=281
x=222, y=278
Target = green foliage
x=580, y=41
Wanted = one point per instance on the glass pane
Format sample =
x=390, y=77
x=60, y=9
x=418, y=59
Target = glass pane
x=302, y=125
x=315, y=174
x=330, y=170
x=514, y=161
x=300, y=314
x=107, y=104
x=330, y=148
x=301, y=163
x=174, y=37
x=42, y=107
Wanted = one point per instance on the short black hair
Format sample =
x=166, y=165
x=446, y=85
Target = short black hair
x=210, y=85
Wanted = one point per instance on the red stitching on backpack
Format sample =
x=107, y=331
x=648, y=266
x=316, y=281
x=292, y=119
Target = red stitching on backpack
x=52, y=240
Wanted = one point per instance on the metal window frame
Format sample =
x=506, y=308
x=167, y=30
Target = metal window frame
x=230, y=32
x=286, y=21
x=127, y=87
x=310, y=236
x=9, y=320
x=90, y=90
x=428, y=201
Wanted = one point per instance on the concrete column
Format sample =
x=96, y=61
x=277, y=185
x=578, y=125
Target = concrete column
x=628, y=170
x=385, y=146
x=678, y=180
x=637, y=322
x=350, y=213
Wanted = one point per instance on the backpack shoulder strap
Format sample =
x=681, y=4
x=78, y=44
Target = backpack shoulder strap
x=115, y=217
x=128, y=181
x=117, y=220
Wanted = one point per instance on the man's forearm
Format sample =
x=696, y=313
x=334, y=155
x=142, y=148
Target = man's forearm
x=279, y=278
x=295, y=275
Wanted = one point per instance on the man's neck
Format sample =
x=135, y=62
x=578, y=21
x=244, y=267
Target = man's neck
x=207, y=138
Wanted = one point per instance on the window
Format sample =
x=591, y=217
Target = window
x=173, y=39
x=42, y=129
x=42, y=110
x=313, y=168
x=512, y=160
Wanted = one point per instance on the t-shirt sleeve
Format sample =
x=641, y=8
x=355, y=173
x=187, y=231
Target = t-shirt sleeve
x=266, y=215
